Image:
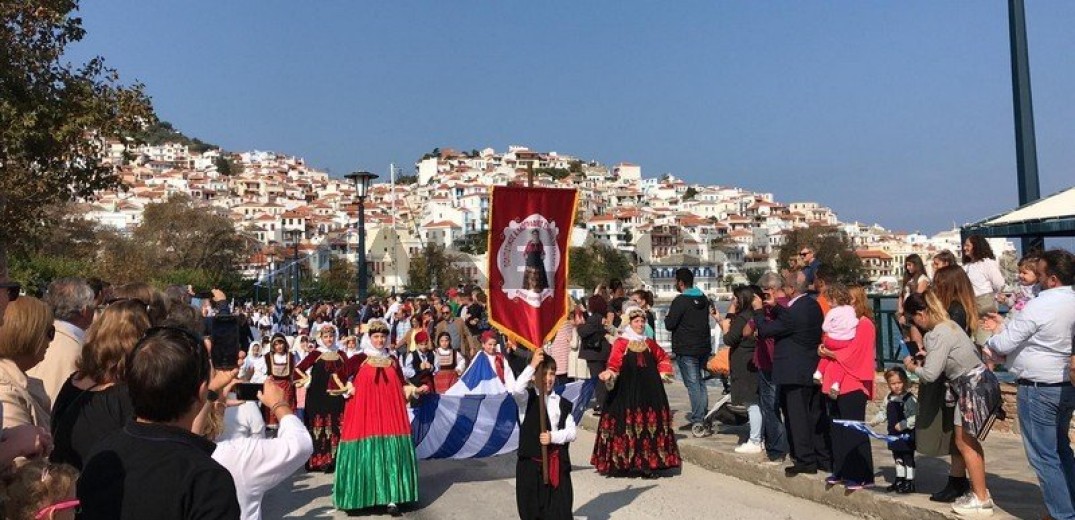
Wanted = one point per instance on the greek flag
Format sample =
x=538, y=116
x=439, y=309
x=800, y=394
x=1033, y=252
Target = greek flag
x=862, y=427
x=477, y=417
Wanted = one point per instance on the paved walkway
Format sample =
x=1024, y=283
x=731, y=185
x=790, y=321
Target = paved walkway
x=1011, y=480
x=484, y=489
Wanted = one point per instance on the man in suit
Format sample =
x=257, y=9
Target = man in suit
x=797, y=332
x=73, y=303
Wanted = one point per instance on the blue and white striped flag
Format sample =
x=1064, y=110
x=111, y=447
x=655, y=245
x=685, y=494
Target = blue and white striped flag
x=481, y=419
x=862, y=427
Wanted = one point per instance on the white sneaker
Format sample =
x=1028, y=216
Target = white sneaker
x=749, y=448
x=969, y=505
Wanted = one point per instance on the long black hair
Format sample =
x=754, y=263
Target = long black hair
x=744, y=297
x=919, y=268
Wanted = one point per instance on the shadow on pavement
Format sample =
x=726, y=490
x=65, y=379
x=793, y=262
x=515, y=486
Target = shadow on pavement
x=604, y=505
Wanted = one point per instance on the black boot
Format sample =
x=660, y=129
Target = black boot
x=906, y=487
x=895, y=485
x=956, y=487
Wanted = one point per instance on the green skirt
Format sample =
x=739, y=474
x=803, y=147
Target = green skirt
x=375, y=471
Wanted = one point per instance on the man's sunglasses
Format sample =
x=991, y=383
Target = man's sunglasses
x=13, y=289
x=803, y=253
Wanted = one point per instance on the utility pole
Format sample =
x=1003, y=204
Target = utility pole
x=1026, y=153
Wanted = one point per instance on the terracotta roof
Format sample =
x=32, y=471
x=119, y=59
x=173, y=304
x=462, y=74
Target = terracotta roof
x=873, y=253
x=442, y=224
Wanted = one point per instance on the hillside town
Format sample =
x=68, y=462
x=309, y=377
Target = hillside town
x=661, y=223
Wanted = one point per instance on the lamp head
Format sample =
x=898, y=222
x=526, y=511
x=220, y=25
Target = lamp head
x=362, y=181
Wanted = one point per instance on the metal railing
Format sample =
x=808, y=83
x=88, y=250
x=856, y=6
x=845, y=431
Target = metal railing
x=889, y=342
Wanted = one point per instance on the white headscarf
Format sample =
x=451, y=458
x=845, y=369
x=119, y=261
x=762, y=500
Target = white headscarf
x=334, y=346
x=366, y=346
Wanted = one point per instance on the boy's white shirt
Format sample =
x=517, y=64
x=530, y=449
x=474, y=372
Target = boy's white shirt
x=552, y=408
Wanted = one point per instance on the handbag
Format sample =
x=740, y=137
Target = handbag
x=720, y=363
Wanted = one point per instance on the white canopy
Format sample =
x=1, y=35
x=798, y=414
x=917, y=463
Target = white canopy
x=1053, y=216
x=1055, y=206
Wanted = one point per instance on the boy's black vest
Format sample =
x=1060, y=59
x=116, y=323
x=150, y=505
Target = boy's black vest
x=422, y=377
x=529, y=444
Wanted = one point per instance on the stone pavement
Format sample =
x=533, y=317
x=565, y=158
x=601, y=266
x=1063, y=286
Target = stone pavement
x=1011, y=480
x=484, y=489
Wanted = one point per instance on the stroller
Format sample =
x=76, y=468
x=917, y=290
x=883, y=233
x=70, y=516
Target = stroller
x=723, y=410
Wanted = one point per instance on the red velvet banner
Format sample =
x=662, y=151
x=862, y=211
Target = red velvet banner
x=529, y=238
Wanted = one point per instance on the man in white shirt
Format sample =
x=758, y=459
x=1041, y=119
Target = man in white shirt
x=1038, y=344
x=257, y=465
x=73, y=303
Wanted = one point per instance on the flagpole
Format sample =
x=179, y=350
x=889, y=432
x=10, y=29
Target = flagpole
x=541, y=388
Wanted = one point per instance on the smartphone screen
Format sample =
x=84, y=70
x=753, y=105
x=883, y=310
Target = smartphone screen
x=247, y=391
x=225, y=340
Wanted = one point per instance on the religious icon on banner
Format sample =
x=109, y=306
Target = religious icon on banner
x=528, y=258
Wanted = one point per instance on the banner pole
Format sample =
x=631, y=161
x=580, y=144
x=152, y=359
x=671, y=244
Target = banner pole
x=541, y=388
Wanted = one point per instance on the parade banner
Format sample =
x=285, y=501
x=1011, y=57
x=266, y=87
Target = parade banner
x=529, y=237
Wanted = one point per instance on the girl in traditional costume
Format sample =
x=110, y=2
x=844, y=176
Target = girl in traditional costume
x=320, y=373
x=635, y=433
x=376, y=463
x=281, y=369
x=450, y=362
x=535, y=497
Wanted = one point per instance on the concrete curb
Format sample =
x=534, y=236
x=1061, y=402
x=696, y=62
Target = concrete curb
x=869, y=504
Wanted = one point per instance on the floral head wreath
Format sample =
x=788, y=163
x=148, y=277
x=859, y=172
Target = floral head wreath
x=635, y=312
x=377, y=327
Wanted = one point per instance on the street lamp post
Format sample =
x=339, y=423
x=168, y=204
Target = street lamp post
x=296, y=236
x=362, y=180
x=272, y=272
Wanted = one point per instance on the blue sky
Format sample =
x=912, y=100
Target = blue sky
x=891, y=112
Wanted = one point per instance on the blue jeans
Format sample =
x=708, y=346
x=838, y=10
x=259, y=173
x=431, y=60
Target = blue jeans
x=756, y=421
x=776, y=441
x=690, y=369
x=1044, y=415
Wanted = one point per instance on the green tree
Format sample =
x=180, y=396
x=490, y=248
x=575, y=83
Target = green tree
x=182, y=235
x=55, y=117
x=476, y=243
x=597, y=263
x=830, y=246
x=227, y=166
x=434, y=264
x=174, y=235
x=160, y=132
x=754, y=274
x=728, y=281
x=36, y=271
x=337, y=282
x=690, y=193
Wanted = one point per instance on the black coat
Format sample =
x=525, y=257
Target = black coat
x=797, y=331
x=688, y=320
x=593, y=346
x=744, y=375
